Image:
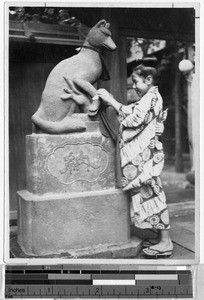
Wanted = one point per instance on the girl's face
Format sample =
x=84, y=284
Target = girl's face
x=140, y=84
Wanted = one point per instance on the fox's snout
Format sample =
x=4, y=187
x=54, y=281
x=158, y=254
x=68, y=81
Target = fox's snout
x=109, y=44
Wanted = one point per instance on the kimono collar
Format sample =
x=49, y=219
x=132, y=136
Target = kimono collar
x=153, y=89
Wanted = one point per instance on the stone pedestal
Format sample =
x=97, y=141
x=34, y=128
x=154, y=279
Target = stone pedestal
x=57, y=223
x=71, y=201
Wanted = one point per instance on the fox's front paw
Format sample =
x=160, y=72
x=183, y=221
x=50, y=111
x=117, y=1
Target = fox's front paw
x=80, y=99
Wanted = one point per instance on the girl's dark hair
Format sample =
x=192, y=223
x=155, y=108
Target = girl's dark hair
x=144, y=71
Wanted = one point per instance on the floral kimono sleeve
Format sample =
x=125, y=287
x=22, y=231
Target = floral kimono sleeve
x=142, y=113
x=139, y=113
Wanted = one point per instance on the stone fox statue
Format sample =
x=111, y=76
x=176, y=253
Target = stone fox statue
x=75, y=75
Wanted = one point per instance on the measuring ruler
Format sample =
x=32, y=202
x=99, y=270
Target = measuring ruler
x=98, y=281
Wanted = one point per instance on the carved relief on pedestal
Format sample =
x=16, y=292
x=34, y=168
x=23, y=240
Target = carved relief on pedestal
x=83, y=162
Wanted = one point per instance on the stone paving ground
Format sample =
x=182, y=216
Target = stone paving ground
x=181, y=202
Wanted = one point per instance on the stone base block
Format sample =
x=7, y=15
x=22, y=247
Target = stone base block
x=68, y=163
x=56, y=223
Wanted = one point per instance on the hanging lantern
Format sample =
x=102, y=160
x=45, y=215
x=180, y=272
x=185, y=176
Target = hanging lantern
x=185, y=66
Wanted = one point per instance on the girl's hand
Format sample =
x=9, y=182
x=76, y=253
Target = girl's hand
x=105, y=96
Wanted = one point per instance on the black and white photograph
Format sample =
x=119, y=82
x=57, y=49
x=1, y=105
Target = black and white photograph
x=102, y=132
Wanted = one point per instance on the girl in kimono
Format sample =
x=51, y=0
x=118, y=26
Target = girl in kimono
x=142, y=157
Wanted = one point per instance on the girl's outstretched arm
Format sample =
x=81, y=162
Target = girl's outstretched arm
x=109, y=99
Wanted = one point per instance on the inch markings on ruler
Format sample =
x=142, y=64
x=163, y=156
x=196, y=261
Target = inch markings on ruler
x=48, y=281
x=39, y=291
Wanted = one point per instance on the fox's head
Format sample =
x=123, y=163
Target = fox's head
x=100, y=36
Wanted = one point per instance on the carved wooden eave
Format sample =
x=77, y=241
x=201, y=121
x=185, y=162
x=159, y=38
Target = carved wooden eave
x=39, y=32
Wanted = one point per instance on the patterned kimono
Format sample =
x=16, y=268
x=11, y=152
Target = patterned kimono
x=142, y=160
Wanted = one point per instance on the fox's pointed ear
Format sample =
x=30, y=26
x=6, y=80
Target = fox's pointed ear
x=101, y=23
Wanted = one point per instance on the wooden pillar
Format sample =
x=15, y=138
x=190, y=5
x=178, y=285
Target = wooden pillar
x=176, y=95
x=191, y=103
x=116, y=61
